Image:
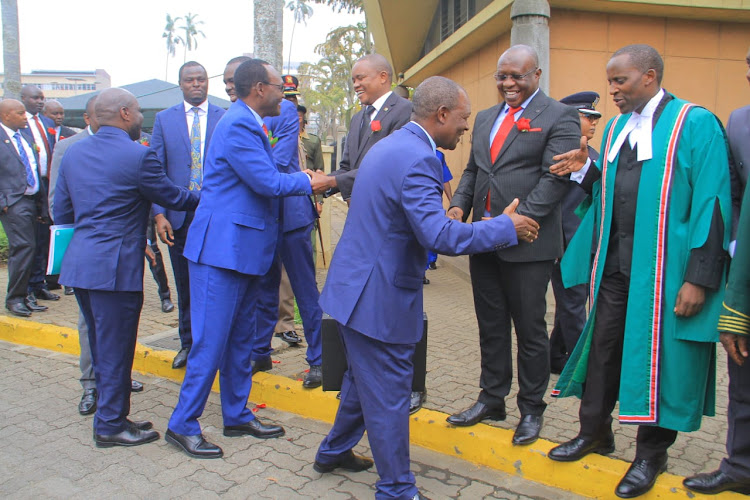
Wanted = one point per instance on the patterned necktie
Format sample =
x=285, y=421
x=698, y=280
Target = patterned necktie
x=365, y=125
x=196, y=170
x=30, y=179
x=497, y=145
x=43, y=133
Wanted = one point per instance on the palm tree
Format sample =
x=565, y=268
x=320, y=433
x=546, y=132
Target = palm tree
x=302, y=12
x=172, y=40
x=190, y=41
x=11, y=50
x=267, y=36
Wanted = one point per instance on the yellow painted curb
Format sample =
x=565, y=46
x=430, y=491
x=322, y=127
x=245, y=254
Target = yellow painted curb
x=594, y=476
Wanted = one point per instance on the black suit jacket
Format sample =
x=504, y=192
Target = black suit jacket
x=521, y=171
x=394, y=114
x=13, y=175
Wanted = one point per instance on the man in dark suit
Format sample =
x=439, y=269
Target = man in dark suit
x=733, y=473
x=231, y=245
x=38, y=132
x=382, y=112
x=55, y=112
x=22, y=202
x=181, y=137
x=295, y=251
x=105, y=188
x=570, y=303
x=512, y=149
x=374, y=285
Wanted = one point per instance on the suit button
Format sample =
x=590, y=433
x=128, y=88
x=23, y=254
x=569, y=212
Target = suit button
x=492, y=175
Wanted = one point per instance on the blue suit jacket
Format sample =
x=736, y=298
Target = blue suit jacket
x=236, y=225
x=105, y=187
x=374, y=284
x=171, y=141
x=298, y=211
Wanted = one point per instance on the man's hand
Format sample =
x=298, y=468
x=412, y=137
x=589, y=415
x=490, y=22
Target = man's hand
x=164, y=229
x=572, y=161
x=150, y=255
x=735, y=345
x=321, y=182
x=455, y=213
x=527, y=229
x=690, y=300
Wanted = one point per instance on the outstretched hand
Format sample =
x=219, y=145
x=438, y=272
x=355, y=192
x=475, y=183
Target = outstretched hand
x=527, y=229
x=320, y=181
x=572, y=161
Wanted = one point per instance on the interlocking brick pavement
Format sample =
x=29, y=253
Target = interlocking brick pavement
x=452, y=360
x=48, y=450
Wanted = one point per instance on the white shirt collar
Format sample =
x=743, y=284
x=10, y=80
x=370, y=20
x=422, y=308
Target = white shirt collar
x=9, y=131
x=432, y=143
x=256, y=115
x=638, y=130
x=380, y=101
x=202, y=106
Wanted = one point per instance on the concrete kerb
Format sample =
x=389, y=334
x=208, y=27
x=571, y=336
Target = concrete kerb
x=594, y=476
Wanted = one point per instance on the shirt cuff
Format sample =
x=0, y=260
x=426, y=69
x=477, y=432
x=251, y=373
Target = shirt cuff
x=732, y=246
x=578, y=176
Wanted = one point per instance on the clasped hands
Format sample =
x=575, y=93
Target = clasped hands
x=527, y=229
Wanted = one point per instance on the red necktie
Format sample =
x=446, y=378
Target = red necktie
x=43, y=133
x=497, y=145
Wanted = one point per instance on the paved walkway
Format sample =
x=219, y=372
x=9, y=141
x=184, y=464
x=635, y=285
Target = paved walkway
x=453, y=361
x=48, y=451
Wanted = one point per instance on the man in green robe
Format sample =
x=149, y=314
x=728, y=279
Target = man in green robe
x=653, y=242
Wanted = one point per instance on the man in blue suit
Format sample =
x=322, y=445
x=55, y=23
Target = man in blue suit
x=181, y=138
x=295, y=250
x=231, y=245
x=105, y=188
x=374, y=286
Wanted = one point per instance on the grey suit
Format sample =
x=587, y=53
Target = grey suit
x=394, y=114
x=512, y=283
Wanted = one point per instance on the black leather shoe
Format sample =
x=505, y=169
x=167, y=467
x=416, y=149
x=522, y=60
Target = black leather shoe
x=69, y=290
x=415, y=402
x=143, y=425
x=715, y=482
x=419, y=496
x=87, y=406
x=289, y=337
x=166, y=305
x=314, y=377
x=433, y=265
x=425, y=280
x=32, y=305
x=131, y=436
x=254, y=428
x=475, y=414
x=135, y=386
x=180, y=359
x=44, y=294
x=261, y=365
x=194, y=446
x=350, y=462
x=578, y=448
x=641, y=476
x=18, y=309
x=528, y=429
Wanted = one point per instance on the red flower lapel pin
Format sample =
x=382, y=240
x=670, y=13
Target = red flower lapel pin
x=51, y=131
x=524, y=125
x=375, y=126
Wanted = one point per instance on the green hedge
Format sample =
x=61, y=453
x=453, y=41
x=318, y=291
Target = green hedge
x=3, y=246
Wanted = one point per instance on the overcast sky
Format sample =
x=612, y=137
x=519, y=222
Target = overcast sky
x=124, y=37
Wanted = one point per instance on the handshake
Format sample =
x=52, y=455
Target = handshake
x=527, y=229
x=320, y=182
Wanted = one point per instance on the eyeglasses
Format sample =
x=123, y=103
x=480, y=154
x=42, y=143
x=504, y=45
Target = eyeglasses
x=501, y=78
x=279, y=86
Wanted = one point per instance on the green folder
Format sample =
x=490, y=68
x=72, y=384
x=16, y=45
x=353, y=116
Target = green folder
x=60, y=236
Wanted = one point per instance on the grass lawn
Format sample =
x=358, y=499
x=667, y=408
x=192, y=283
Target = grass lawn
x=3, y=246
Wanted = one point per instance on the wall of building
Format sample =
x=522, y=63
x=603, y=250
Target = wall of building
x=704, y=63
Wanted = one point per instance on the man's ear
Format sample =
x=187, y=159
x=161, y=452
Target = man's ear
x=650, y=76
x=442, y=115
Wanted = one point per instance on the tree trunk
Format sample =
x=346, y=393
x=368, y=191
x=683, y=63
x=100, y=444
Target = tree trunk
x=267, y=39
x=11, y=50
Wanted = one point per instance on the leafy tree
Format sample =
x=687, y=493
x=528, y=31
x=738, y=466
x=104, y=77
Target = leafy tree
x=172, y=40
x=349, y=6
x=192, y=32
x=302, y=12
x=11, y=50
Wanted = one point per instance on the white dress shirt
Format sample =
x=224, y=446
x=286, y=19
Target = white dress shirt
x=30, y=154
x=379, y=104
x=39, y=141
x=504, y=111
x=202, y=118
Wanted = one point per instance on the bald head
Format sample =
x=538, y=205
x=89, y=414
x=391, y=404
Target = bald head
x=13, y=114
x=89, y=115
x=521, y=53
x=379, y=63
x=32, y=98
x=517, y=76
x=54, y=111
x=119, y=108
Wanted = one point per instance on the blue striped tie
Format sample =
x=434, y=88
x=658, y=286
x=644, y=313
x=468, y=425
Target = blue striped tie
x=196, y=172
x=30, y=179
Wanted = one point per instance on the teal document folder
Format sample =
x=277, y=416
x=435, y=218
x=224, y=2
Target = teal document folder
x=60, y=236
